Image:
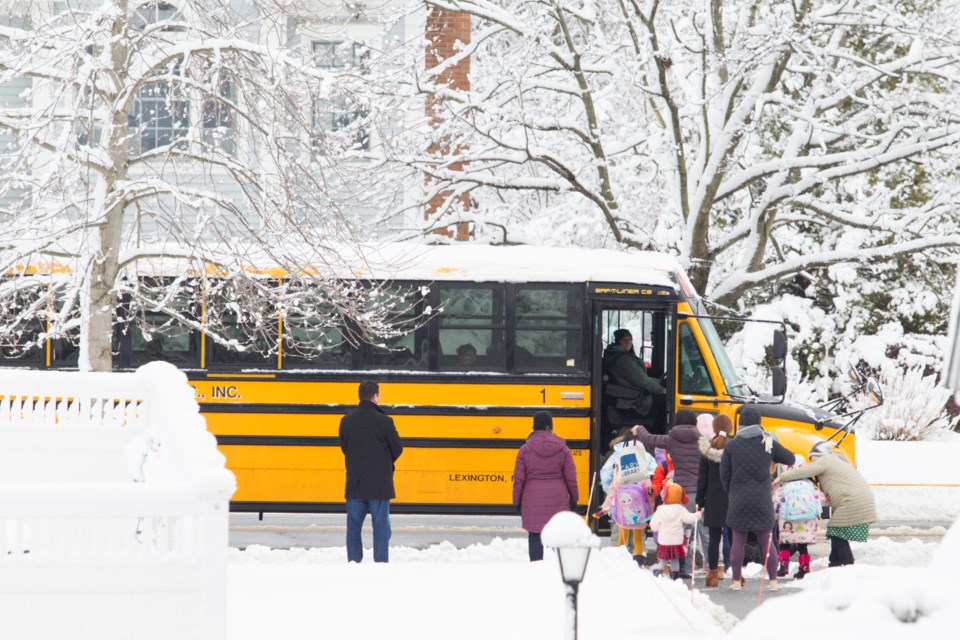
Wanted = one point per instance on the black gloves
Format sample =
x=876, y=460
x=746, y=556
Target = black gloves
x=573, y=505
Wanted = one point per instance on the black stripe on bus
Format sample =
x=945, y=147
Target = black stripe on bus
x=414, y=443
x=416, y=377
x=395, y=507
x=419, y=410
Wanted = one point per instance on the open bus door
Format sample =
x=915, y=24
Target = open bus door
x=651, y=326
x=651, y=329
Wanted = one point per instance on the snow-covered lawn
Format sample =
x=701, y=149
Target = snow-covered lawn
x=491, y=591
x=482, y=592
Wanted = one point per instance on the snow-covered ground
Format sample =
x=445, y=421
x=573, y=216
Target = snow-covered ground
x=899, y=588
x=480, y=592
x=492, y=591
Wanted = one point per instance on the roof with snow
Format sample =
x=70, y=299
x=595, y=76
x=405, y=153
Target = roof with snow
x=522, y=263
x=404, y=261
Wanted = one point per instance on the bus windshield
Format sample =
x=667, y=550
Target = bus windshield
x=727, y=372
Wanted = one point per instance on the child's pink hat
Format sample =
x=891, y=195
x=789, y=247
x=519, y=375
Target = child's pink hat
x=705, y=425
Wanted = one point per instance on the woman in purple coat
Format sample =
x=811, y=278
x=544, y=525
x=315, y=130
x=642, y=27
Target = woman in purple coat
x=544, y=480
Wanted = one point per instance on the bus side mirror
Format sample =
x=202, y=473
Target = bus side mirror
x=873, y=388
x=779, y=345
x=779, y=382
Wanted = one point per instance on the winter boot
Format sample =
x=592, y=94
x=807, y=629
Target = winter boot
x=784, y=563
x=737, y=585
x=682, y=573
x=639, y=559
x=804, y=566
x=713, y=579
x=774, y=586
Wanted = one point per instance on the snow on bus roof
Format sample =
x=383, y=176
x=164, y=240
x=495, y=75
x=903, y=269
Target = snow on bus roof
x=518, y=263
x=464, y=261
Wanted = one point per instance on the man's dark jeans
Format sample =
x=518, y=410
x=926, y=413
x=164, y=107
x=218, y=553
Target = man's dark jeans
x=380, y=518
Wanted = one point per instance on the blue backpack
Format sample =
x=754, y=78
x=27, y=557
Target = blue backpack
x=800, y=501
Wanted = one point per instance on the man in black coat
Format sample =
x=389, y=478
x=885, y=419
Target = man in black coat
x=371, y=446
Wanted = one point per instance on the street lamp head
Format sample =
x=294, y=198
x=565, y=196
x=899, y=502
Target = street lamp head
x=571, y=537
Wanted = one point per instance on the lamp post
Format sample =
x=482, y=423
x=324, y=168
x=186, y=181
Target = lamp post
x=571, y=537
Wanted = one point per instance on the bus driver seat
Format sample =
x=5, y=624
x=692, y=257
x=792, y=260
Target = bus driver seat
x=619, y=401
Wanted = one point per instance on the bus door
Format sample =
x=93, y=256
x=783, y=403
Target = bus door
x=617, y=405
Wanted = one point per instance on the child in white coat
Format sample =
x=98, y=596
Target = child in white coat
x=668, y=522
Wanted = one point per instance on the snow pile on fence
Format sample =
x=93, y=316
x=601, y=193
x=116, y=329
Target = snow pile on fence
x=113, y=507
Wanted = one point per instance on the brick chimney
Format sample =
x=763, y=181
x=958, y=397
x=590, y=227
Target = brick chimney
x=444, y=30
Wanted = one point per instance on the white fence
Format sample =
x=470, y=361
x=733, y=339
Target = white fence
x=113, y=508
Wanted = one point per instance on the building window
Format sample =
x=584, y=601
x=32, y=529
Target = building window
x=340, y=113
x=160, y=114
x=218, y=120
x=155, y=12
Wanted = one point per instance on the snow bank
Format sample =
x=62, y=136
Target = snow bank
x=864, y=601
x=113, y=507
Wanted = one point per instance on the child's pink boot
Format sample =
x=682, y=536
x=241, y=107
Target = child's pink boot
x=784, y=563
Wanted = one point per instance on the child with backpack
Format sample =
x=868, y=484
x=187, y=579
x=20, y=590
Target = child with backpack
x=798, y=506
x=668, y=521
x=662, y=474
x=625, y=476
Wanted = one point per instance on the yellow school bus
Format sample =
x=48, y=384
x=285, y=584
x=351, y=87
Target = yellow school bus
x=511, y=330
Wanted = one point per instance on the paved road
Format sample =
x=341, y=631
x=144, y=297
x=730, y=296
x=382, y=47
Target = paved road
x=284, y=531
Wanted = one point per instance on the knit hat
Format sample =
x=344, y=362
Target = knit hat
x=749, y=416
x=674, y=494
x=705, y=425
x=822, y=448
x=660, y=455
x=621, y=333
x=542, y=420
x=685, y=416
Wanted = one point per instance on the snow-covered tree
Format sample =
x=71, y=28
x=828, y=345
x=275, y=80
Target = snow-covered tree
x=913, y=408
x=172, y=153
x=760, y=140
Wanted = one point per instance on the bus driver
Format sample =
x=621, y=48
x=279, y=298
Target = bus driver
x=624, y=368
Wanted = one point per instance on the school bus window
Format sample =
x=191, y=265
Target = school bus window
x=549, y=333
x=409, y=350
x=472, y=317
x=65, y=346
x=315, y=341
x=22, y=325
x=694, y=376
x=254, y=328
x=727, y=371
x=158, y=336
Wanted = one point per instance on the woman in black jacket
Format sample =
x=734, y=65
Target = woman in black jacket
x=745, y=474
x=711, y=496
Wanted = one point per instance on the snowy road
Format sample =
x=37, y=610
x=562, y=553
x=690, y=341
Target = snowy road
x=285, y=530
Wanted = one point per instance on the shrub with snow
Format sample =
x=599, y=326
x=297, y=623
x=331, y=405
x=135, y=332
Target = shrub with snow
x=914, y=407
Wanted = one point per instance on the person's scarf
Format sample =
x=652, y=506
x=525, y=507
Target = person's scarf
x=756, y=431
